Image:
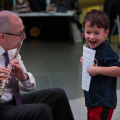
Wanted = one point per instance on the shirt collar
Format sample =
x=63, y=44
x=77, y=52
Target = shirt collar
x=2, y=51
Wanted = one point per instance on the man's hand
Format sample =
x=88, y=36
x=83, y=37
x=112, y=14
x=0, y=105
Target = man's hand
x=17, y=70
x=81, y=60
x=3, y=73
x=93, y=71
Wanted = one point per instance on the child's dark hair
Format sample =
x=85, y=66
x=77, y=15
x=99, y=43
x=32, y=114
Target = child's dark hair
x=96, y=17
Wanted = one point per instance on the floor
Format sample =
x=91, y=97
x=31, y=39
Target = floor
x=56, y=64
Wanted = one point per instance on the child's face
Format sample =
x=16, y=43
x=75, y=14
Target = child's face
x=94, y=35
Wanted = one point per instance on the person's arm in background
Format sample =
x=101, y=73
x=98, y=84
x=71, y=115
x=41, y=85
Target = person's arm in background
x=14, y=7
x=28, y=6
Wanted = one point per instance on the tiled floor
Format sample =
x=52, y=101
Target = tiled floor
x=57, y=65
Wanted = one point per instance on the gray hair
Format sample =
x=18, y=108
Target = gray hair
x=5, y=20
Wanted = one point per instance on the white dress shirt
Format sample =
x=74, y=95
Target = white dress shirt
x=28, y=85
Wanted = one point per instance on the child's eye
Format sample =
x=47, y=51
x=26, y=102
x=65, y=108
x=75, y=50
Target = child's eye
x=88, y=32
x=96, y=33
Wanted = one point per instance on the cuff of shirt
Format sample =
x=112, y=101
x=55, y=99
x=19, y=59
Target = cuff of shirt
x=30, y=80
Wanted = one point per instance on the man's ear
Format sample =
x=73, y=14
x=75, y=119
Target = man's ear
x=2, y=38
x=106, y=33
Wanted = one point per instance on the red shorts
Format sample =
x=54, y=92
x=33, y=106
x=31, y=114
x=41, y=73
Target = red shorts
x=99, y=113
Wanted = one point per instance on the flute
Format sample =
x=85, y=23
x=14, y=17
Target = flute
x=9, y=66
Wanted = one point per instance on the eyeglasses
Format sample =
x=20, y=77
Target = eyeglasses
x=16, y=34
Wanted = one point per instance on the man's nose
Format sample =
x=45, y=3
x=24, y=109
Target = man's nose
x=24, y=36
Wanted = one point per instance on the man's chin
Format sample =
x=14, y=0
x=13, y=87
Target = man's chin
x=16, y=47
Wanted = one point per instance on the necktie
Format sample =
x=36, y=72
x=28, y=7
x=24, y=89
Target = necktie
x=14, y=83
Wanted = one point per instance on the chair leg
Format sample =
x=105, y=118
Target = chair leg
x=112, y=32
x=118, y=23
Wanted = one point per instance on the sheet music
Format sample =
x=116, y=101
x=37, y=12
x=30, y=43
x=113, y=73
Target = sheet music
x=88, y=61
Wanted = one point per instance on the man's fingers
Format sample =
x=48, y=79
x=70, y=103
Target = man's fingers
x=2, y=79
x=15, y=61
x=10, y=77
x=3, y=76
x=4, y=71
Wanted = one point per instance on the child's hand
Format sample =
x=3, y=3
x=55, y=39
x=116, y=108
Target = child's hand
x=93, y=71
x=81, y=60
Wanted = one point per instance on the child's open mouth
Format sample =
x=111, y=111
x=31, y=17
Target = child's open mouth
x=93, y=42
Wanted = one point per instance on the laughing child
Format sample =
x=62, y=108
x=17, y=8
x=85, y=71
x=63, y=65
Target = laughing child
x=101, y=99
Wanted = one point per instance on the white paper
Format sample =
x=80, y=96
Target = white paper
x=88, y=61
